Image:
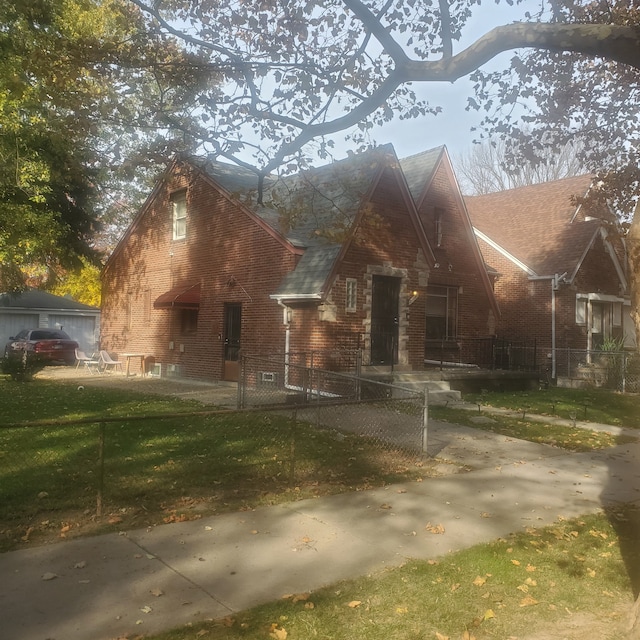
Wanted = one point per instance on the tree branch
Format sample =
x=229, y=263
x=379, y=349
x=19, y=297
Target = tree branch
x=617, y=43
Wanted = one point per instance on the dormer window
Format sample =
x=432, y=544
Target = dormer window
x=179, y=215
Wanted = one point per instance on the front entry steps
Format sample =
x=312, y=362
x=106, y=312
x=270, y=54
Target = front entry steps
x=440, y=391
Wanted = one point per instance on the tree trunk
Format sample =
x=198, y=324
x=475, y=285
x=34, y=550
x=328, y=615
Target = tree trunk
x=634, y=621
x=633, y=248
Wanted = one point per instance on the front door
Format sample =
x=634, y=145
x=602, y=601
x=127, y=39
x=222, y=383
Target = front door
x=232, y=324
x=385, y=303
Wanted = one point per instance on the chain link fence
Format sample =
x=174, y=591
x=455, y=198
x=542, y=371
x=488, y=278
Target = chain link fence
x=318, y=430
x=390, y=416
x=615, y=370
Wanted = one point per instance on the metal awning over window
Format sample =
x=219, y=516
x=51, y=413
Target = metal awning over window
x=183, y=297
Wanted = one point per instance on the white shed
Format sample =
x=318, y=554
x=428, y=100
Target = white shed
x=35, y=309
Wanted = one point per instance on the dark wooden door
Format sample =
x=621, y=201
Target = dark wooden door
x=385, y=303
x=232, y=332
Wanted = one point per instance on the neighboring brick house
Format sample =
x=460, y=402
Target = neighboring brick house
x=336, y=258
x=561, y=268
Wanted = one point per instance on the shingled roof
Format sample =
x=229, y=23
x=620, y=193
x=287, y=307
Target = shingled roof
x=418, y=170
x=37, y=299
x=313, y=210
x=539, y=225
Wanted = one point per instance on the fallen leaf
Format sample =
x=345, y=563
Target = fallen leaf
x=528, y=601
x=530, y=568
x=156, y=592
x=354, y=604
x=146, y=609
x=228, y=621
x=439, y=636
x=279, y=633
x=309, y=605
x=591, y=573
x=488, y=614
x=516, y=562
x=402, y=610
x=434, y=528
x=202, y=632
x=479, y=581
x=49, y=576
x=300, y=597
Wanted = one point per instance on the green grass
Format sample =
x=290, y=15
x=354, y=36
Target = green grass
x=592, y=405
x=161, y=470
x=570, y=438
x=499, y=590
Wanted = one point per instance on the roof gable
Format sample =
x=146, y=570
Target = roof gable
x=538, y=225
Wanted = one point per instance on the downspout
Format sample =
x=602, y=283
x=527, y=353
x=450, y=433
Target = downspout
x=286, y=320
x=554, y=287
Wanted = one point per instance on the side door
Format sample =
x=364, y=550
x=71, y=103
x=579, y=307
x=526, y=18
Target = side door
x=232, y=341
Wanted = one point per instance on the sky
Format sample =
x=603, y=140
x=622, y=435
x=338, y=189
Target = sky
x=453, y=126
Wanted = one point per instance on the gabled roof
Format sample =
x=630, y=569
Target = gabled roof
x=314, y=210
x=313, y=207
x=538, y=226
x=37, y=299
x=419, y=170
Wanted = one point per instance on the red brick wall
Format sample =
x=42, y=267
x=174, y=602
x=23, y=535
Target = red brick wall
x=233, y=258
x=386, y=243
x=526, y=304
x=457, y=266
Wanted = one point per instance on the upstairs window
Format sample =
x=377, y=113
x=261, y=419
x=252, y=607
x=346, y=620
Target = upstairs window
x=179, y=214
x=351, y=303
x=438, y=218
x=442, y=313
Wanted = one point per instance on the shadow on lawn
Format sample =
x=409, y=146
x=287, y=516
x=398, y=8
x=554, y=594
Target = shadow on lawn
x=621, y=499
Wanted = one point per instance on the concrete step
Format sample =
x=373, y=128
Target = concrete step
x=440, y=391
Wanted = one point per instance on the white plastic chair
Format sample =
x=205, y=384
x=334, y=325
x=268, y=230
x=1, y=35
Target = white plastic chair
x=91, y=363
x=108, y=361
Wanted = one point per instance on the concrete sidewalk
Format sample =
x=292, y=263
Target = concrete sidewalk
x=146, y=581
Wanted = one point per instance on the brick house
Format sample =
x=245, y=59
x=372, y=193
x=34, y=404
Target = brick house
x=560, y=268
x=337, y=257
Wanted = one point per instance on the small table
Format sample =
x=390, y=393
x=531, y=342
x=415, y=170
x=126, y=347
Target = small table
x=129, y=357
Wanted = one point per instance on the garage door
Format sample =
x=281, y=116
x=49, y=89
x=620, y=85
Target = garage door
x=82, y=329
x=11, y=323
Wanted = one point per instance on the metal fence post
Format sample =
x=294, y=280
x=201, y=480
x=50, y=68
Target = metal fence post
x=425, y=420
x=240, y=399
x=100, y=494
x=292, y=449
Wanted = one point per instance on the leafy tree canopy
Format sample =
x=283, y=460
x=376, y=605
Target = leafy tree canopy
x=85, y=97
x=296, y=72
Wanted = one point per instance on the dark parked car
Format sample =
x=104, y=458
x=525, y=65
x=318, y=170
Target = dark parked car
x=51, y=345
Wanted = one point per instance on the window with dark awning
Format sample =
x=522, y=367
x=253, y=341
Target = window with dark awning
x=183, y=297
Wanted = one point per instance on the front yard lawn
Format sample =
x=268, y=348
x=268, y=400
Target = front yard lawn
x=162, y=469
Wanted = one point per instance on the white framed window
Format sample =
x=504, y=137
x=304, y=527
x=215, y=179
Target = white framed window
x=442, y=312
x=179, y=215
x=351, y=301
x=581, y=310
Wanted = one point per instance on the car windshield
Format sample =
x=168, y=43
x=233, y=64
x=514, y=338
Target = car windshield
x=48, y=334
